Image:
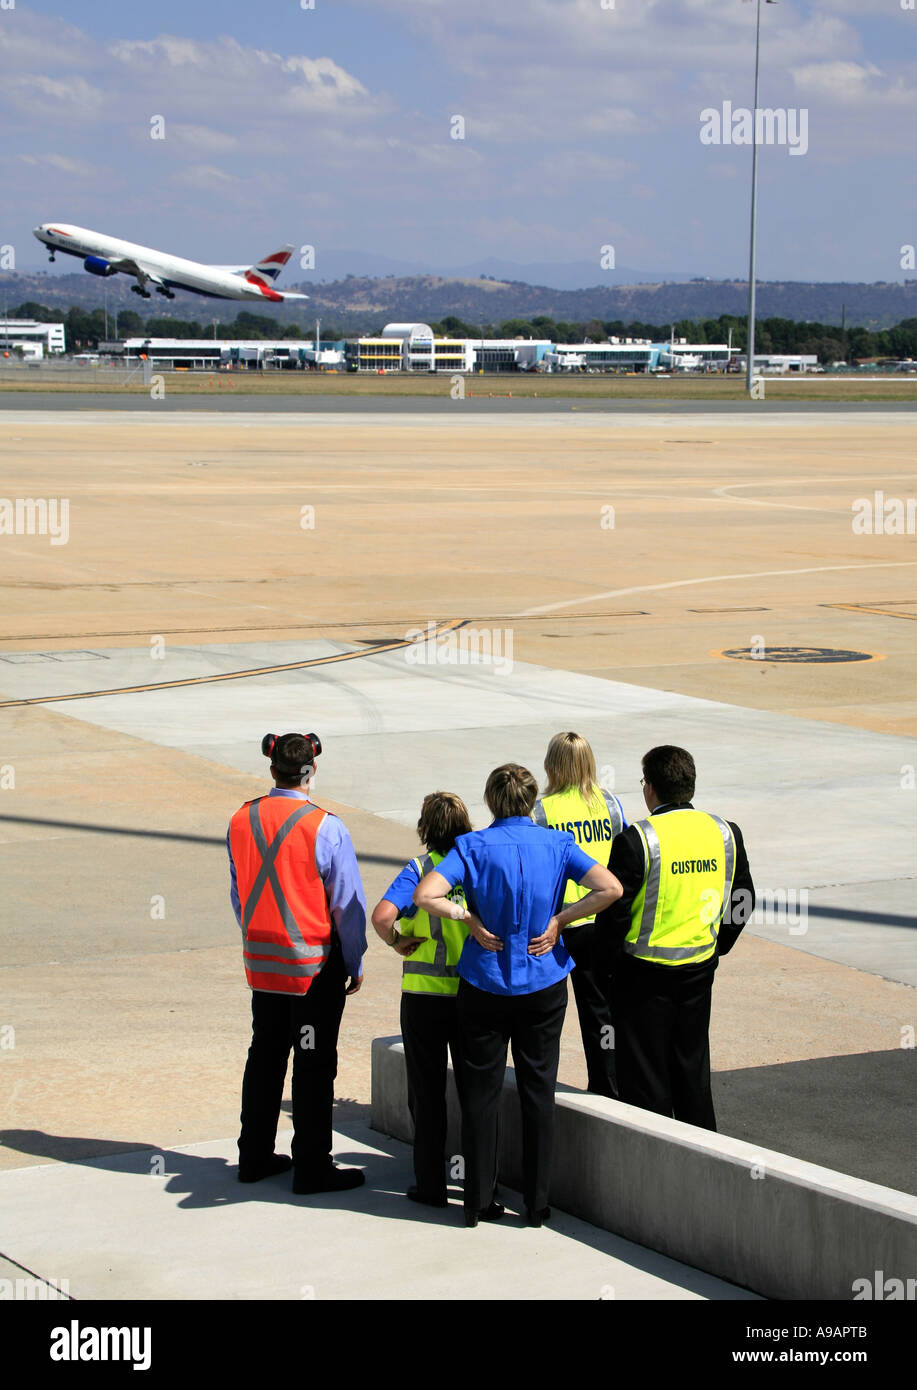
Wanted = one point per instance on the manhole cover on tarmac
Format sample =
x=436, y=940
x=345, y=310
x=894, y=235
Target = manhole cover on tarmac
x=797, y=655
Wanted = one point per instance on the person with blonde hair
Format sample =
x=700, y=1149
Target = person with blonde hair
x=513, y=977
x=573, y=801
x=431, y=945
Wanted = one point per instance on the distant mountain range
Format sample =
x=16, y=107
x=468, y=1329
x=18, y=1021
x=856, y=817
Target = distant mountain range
x=560, y=275
x=359, y=304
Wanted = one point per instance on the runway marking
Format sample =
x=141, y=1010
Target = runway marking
x=297, y=627
x=450, y=626
x=882, y=612
x=707, y=579
x=725, y=494
x=798, y=656
x=727, y=490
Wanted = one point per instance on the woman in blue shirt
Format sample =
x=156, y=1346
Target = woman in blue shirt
x=513, y=972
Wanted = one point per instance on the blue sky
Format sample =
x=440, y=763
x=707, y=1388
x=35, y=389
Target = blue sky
x=331, y=127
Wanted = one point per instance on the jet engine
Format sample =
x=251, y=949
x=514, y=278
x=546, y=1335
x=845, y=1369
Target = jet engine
x=97, y=266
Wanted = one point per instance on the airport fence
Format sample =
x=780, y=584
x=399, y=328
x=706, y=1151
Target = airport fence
x=28, y=374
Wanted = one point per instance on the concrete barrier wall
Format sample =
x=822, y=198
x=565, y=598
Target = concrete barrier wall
x=781, y=1227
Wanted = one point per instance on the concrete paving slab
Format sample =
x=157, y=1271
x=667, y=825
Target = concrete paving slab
x=177, y=1225
x=845, y=921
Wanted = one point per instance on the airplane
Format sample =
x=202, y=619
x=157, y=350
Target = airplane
x=104, y=255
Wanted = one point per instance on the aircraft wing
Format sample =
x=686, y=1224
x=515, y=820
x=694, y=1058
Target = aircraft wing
x=142, y=272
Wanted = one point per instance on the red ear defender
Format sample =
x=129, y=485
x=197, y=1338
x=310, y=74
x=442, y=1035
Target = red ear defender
x=269, y=742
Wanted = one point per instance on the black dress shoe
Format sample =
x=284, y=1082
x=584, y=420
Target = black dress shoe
x=491, y=1213
x=329, y=1180
x=425, y=1199
x=537, y=1218
x=254, y=1172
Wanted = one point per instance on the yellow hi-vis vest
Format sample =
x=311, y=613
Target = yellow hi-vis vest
x=433, y=968
x=593, y=824
x=690, y=866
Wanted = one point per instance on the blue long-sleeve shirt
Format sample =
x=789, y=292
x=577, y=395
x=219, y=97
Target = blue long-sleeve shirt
x=514, y=874
x=336, y=861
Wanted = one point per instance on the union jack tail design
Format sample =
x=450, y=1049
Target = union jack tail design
x=265, y=273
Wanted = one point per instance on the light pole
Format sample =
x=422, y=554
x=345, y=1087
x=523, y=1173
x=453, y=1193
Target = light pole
x=750, y=372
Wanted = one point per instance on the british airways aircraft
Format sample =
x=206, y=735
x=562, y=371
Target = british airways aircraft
x=105, y=255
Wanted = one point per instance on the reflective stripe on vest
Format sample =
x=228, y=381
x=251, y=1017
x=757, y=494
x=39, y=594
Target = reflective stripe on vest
x=282, y=951
x=593, y=832
x=681, y=903
x=434, y=972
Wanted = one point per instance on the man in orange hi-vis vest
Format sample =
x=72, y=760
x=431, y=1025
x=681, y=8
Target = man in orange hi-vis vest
x=299, y=901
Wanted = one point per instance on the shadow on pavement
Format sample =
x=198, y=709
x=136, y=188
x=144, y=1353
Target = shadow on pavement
x=854, y=1114
x=201, y=1181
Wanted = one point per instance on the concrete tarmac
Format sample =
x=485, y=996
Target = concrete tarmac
x=64, y=401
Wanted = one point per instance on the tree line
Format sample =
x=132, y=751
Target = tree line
x=85, y=328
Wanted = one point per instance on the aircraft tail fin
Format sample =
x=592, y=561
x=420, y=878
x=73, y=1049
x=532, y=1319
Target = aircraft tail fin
x=265, y=272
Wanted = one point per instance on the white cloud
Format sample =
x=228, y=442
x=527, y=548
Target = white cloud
x=223, y=67
x=846, y=83
x=206, y=176
x=325, y=75
x=174, y=52
x=27, y=40
x=60, y=163
x=71, y=97
x=202, y=138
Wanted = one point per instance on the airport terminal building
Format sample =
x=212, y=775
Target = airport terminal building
x=213, y=354
x=34, y=338
x=413, y=347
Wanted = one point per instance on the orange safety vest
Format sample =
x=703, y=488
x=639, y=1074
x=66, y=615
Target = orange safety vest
x=286, y=924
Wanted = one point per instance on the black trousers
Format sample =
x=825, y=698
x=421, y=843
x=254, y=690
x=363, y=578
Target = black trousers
x=593, y=1006
x=662, y=1021
x=532, y=1023
x=309, y=1024
x=429, y=1030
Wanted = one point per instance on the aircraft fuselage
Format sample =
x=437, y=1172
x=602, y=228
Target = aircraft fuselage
x=106, y=255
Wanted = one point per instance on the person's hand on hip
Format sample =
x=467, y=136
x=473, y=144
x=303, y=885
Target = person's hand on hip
x=541, y=945
x=407, y=945
x=481, y=935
